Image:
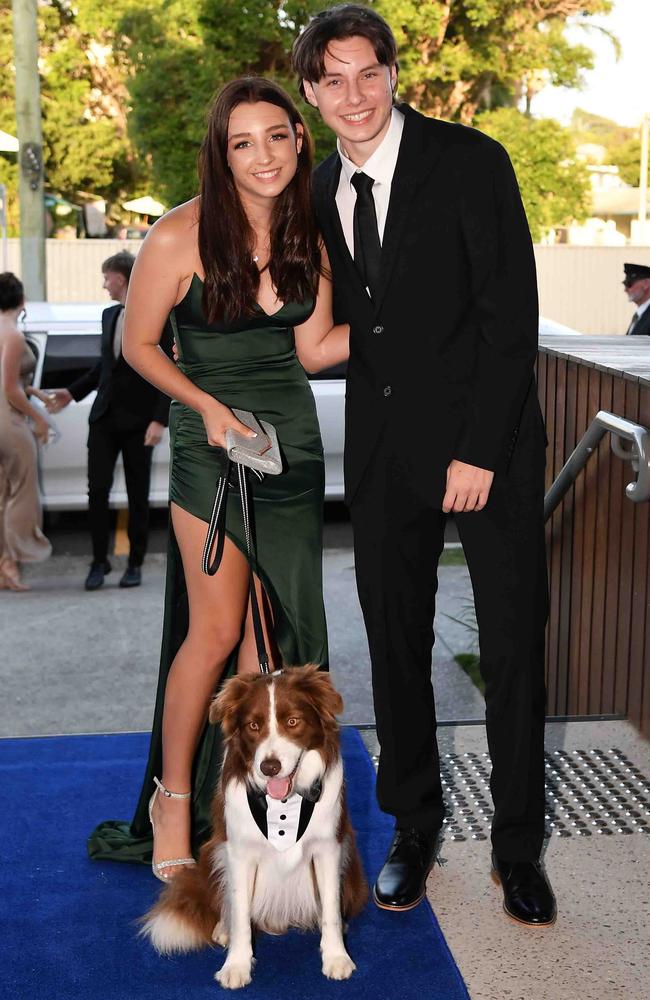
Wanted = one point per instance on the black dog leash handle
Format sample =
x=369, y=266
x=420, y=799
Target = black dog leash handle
x=217, y=533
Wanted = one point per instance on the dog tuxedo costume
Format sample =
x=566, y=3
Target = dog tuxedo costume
x=283, y=821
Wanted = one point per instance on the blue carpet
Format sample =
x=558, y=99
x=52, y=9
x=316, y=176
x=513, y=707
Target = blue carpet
x=69, y=923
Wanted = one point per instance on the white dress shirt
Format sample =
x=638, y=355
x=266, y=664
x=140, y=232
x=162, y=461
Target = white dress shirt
x=642, y=308
x=117, y=334
x=381, y=167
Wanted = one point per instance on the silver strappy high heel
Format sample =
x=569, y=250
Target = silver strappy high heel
x=158, y=867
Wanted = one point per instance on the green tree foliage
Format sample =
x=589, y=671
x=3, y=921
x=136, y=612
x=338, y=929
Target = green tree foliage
x=172, y=74
x=456, y=58
x=554, y=187
x=627, y=157
x=459, y=56
x=84, y=100
x=587, y=127
x=82, y=140
x=181, y=52
x=8, y=166
x=126, y=86
x=622, y=143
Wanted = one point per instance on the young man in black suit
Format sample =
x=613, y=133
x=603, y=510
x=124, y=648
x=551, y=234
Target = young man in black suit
x=129, y=416
x=433, y=267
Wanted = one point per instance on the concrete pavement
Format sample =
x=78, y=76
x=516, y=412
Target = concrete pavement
x=75, y=662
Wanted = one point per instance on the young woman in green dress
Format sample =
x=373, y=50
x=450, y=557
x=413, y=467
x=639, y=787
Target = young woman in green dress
x=241, y=274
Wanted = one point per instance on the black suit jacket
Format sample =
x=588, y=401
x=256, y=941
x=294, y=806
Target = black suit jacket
x=642, y=328
x=441, y=364
x=131, y=401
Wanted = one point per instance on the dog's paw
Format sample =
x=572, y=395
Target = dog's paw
x=220, y=934
x=234, y=975
x=339, y=966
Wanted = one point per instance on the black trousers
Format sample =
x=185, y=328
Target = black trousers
x=398, y=539
x=105, y=442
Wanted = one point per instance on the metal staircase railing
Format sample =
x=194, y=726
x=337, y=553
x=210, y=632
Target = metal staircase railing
x=630, y=441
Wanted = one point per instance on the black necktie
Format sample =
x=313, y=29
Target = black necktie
x=367, y=248
x=635, y=320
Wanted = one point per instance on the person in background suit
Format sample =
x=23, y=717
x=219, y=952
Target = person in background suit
x=128, y=416
x=637, y=286
x=433, y=267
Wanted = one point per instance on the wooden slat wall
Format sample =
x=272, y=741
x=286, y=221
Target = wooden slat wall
x=598, y=650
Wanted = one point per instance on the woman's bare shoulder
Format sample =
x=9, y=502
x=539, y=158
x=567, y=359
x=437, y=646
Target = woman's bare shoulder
x=12, y=335
x=177, y=229
x=12, y=343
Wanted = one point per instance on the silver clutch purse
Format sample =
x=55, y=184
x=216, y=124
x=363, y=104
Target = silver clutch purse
x=261, y=453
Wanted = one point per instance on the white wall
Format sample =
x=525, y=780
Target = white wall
x=74, y=267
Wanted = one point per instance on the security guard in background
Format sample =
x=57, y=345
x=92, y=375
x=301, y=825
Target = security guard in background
x=637, y=286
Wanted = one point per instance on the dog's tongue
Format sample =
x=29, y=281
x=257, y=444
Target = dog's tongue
x=278, y=788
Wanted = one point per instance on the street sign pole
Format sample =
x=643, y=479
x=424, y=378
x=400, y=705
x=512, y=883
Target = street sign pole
x=3, y=227
x=643, y=178
x=30, y=154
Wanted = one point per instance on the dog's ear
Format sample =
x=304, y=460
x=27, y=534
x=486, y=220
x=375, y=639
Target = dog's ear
x=224, y=709
x=318, y=687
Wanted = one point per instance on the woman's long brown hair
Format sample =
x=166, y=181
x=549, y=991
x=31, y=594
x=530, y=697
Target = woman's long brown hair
x=226, y=238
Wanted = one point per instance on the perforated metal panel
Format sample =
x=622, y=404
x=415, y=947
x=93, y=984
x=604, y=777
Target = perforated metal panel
x=587, y=792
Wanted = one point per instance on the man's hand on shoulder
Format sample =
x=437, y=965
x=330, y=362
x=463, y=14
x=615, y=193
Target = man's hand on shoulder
x=468, y=487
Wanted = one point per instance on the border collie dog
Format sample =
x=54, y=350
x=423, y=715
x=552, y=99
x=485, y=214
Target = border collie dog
x=282, y=852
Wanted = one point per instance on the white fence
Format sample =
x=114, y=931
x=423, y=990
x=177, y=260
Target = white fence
x=74, y=267
x=578, y=286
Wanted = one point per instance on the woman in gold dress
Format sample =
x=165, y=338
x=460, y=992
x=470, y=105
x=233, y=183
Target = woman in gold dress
x=21, y=426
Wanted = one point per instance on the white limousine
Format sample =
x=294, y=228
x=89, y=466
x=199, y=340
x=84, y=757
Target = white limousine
x=65, y=338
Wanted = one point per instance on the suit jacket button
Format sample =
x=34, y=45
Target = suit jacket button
x=388, y=391
x=378, y=329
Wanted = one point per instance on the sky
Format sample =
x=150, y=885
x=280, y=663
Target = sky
x=619, y=90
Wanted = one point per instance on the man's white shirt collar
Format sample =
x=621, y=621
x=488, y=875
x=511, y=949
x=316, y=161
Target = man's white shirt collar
x=381, y=165
x=642, y=308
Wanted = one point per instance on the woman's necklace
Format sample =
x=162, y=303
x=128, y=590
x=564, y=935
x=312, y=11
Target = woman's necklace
x=260, y=269
x=266, y=247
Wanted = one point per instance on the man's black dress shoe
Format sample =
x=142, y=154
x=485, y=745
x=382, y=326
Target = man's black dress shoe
x=527, y=894
x=96, y=574
x=132, y=577
x=401, y=883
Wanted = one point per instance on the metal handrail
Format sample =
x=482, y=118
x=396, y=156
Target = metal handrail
x=622, y=430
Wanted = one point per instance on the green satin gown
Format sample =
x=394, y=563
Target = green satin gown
x=250, y=364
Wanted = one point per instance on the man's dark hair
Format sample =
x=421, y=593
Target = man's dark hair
x=120, y=263
x=347, y=20
x=12, y=293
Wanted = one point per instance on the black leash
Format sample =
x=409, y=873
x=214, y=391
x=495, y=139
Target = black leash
x=217, y=534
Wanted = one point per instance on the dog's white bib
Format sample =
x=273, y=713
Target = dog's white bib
x=282, y=818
